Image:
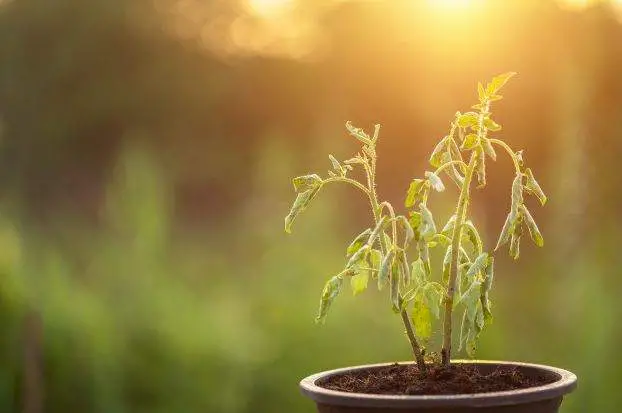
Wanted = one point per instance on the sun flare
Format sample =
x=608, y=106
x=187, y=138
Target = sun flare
x=270, y=8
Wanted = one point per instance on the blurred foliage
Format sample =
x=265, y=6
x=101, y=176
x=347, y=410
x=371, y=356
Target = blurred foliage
x=144, y=163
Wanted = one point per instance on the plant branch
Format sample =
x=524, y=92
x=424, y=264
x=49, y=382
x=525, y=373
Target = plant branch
x=509, y=151
x=450, y=163
x=348, y=181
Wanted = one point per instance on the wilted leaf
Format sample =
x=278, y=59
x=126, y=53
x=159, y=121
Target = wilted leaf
x=448, y=229
x=440, y=239
x=418, y=272
x=533, y=187
x=395, y=286
x=357, y=243
x=515, y=246
x=435, y=181
x=489, y=149
x=336, y=165
x=508, y=228
x=416, y=191
x=385, y=269
x=405, y=268
x=473, y=236
x=377, y=230
x=517, y=192
x=375, y=260
x=436, y=157
x=330, y=292
x=300, y=204
x=481, y=93
x=306, y=182
x=433, y=295
x=409, y=232
x=470, y=299
x=427, y=227
x=447, y=265
x=358, y=133
x=358, y=257
x=534, y=232
x=478, y=266
x=414, y=219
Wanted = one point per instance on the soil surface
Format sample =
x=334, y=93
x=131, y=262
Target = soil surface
x=407, y=379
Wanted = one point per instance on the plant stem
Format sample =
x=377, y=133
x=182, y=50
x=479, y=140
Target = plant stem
x=376, y=209
x=508, y=150
x=347, y=180
x=461, y=210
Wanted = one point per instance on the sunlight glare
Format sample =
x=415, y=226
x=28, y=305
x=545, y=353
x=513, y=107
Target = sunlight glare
x=452, y=4
x=270, y=8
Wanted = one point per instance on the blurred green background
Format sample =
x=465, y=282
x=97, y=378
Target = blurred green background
x=146, y=153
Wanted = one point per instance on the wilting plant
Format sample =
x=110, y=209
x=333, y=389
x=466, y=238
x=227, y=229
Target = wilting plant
x=380, y=252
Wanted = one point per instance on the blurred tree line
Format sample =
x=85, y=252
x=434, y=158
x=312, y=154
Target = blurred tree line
x=83, y=81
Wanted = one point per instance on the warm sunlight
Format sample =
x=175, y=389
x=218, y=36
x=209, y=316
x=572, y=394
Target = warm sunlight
x=457, y=4
x=270, y=8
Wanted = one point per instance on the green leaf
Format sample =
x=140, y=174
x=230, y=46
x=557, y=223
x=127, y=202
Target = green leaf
x=478, y=266
x=428, y=227
x=359, y=281
x=486, y=286
x=436, y=158
x=498, y=82
x=470, y=141
x=481, y=93
x=375, y=260
x=489, y=274
x=300, y=204
x=470, y=299
x=440, y=239
x=473, y=236
x=491, y=125
x=405, y=268
x=489, y=149
x=435, y=181
x=534, y=232
x=414, y=219
x=447, y=265
x=385, y=268
x=330, y=292
x=468, y=119
x=418, y=272
x=306, y=182
x=533, y=187
x=422, y=318
x=517, y=192
x=424, y=254
x=359, y=256
x=416, y=191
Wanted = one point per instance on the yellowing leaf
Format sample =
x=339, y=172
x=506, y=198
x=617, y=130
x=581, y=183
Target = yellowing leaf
x=422, y=319
x=359, y=281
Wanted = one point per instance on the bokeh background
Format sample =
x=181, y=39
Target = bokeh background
x=146, y=153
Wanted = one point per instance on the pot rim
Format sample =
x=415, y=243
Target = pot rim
x=567, y=382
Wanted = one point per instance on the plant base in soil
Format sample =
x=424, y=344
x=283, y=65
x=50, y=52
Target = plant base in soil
x=407, y=379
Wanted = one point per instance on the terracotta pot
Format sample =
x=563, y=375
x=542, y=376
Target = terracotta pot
x=541, y=399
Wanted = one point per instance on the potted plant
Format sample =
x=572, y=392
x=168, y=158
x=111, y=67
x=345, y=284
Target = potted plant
x=434, y=382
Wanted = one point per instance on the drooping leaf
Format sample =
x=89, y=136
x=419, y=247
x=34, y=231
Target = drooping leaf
x=384, y=220
x=485, y=288
x=300, y=204
x=427, y=228
x=418, y=272
x=306, y=182
x=409, y=232
x=336, y=165
x=330, y=292
x=433, y=295
x=440, y=239
x=435, y=181
x=517, y=192
x=424, y=255
x=498, y=82
x=395, y=276
x=534, y=232
x=414, y=219
x=473, y=236
x=436, y=158
x=470, y=141
x=357, y=243
x=422, y=318
x=447, y=264
x=416, y=191
x=385, y=268
x=478, y=266
x=489, y=149
x=359, y=281
x=448, y=229
x=375, y=260
x=491, y=125
x=533, y=187
x=515, y=246
x=358, y=257
x=506, y=231
x=470, y=299
x=405, y=268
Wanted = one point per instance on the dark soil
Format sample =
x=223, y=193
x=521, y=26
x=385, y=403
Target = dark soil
x=404, y=379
